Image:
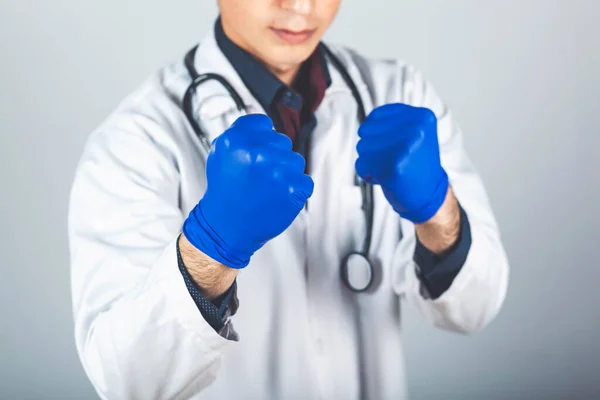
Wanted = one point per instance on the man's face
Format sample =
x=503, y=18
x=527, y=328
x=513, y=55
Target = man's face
x=281, y=33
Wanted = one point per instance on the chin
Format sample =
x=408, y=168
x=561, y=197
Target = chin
x=290, y=56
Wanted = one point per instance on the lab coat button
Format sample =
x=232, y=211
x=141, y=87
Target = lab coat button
x=291, y=99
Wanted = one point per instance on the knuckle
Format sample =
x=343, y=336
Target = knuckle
x=427, y=115
x=298, y=160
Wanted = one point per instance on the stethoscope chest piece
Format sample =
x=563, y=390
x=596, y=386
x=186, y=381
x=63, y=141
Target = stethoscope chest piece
x=358, y=273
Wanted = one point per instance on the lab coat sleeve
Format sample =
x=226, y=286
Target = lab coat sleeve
x=138, y=332
x=475, y=296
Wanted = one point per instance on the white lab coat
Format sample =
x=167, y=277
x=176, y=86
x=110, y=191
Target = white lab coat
x=302, y=335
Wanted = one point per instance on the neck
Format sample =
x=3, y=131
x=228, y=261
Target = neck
x=285, y=74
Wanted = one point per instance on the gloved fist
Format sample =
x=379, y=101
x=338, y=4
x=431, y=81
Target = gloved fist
x=398, y=149
x=256, y=187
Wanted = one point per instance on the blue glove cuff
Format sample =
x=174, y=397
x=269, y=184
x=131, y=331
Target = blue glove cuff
x=199, y=233
x=437, y=199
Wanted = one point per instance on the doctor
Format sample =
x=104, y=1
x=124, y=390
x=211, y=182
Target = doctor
x=221, y=274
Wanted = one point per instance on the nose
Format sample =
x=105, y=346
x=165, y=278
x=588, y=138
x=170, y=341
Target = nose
x=297, y=6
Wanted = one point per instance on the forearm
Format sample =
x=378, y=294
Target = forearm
x=441, y=232
x=443, y=245
x=476, y=293
x=212, y=277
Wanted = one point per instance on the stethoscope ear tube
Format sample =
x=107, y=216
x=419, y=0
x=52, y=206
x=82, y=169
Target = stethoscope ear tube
x=197, y=80
x=362, y=115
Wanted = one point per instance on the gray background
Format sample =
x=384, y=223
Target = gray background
x=521, y=76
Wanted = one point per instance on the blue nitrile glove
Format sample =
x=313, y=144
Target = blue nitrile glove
x=398, y=149
x=256, y=187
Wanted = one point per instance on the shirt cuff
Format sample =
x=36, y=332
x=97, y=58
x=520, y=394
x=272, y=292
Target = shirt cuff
x=215, y=312
x=437, y=272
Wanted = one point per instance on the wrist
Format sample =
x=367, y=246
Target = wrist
x=442, y=230
x=212, y=277
x=200, y=233
x=431, y=208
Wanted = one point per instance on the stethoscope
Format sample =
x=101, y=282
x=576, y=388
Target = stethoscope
x=357, y=271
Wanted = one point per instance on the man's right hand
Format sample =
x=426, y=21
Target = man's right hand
x=256, y=187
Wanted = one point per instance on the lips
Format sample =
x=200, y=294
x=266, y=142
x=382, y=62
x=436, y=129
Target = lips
x=293, y=37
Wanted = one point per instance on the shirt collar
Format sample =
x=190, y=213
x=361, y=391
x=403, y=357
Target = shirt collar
x=261, y=82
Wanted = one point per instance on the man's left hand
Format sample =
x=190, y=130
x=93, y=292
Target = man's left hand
x=398, y=150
